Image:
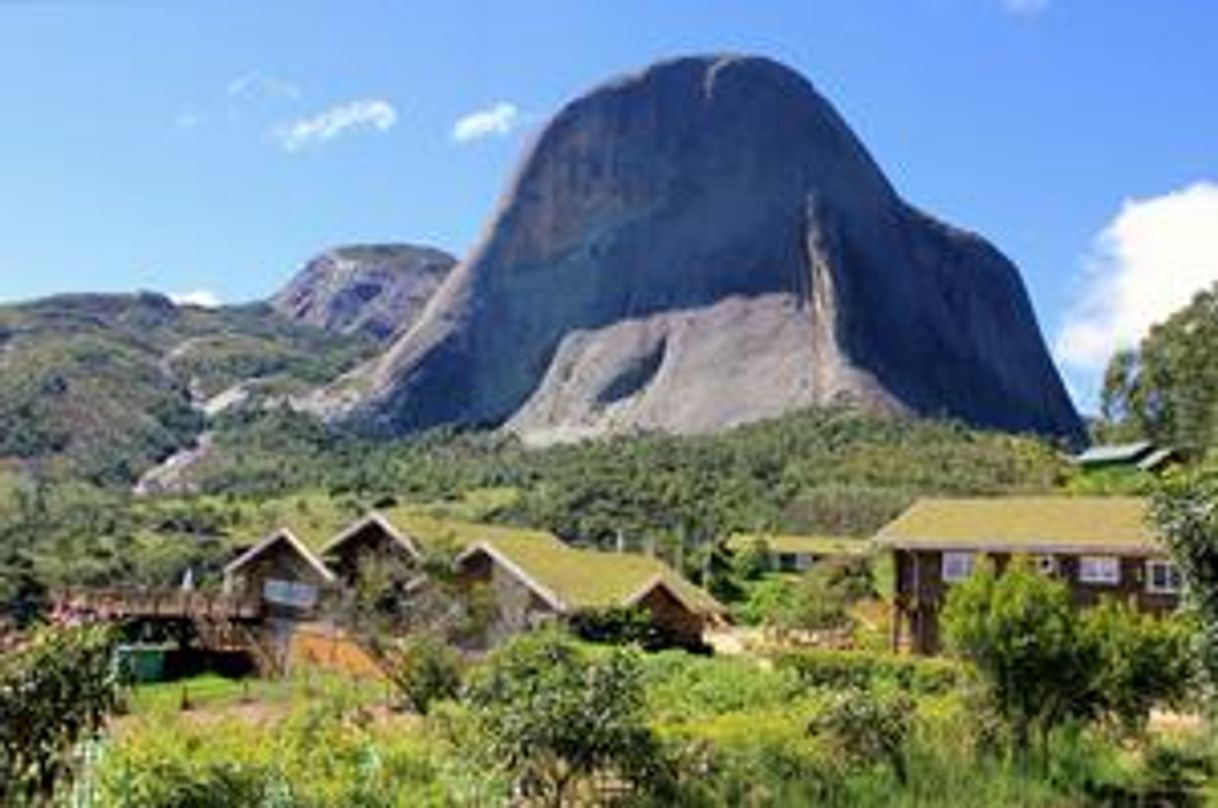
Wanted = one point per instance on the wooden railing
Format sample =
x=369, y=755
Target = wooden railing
x=118, y=604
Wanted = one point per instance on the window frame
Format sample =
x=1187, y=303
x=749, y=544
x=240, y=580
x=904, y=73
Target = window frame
x=1167, y=564
x=966, y=558
x=1104, y=561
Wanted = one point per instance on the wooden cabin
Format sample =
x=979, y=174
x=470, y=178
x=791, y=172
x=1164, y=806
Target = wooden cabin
x=373, y=539
x=535, y=579
x=1100, y=546
x=288, y=579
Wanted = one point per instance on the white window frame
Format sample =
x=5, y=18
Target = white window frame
x=1153, y=564
x=957, y=565
x=296, y=594
x=1100, y=570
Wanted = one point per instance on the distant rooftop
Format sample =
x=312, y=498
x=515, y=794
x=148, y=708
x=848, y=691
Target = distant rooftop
x=811, y=545
x=1115, y=453
x=1025, y=524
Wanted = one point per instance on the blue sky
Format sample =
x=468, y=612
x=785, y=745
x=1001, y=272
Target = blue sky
x=215, y=146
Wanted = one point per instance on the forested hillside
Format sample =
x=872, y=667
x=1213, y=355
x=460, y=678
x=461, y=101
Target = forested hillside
x=100, y=387
x=824, y=471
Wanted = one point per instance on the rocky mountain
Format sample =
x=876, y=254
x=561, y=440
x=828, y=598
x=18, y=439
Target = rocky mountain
x=104, y=386
x=700, y=244
x=373, y=290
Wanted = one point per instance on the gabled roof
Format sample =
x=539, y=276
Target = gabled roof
x=1114, y=453
x=1157, y=459
x=812, y=545
x=288, y=537
x=377, y=520
x=1117, y=525
x=569, y=579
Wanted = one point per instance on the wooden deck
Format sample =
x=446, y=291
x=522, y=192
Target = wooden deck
x=119, y=604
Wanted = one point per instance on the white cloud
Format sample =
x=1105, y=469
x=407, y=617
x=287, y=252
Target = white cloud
x=261, y=85
x=497, y=120
x=199, y=297
x=373, y=114
x=187, y=119
x=1147, y=263
x=1025, y=8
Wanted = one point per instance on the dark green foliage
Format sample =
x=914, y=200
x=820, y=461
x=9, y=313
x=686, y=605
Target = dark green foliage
x=552, y=715
x=425, y=669
x=55, y=691
x=1167, y=389
x=861, y=670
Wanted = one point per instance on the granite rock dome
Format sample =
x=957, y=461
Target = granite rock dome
x=701, y=244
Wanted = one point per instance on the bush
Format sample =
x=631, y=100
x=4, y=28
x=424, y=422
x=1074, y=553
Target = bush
x=681, y=687
x=553, y=716
x=860, y=670
x=425, y=669
x=864, y=727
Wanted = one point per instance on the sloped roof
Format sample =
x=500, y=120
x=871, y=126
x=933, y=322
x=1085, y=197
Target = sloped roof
x=283, y=535
x=371, y=520
x=1114, y=453
x=812, y=545
x=570, y=578
x=1025, y=524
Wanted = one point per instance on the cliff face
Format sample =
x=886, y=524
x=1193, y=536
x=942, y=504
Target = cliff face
x=701, y=244
x=373, y=290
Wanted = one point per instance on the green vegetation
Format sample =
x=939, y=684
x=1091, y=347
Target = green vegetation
x=56, y=690
x=1167, y=389
x=100, y=387
x=1045, y=664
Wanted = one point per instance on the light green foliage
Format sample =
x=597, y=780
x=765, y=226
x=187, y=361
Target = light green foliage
x=55, y=691
x=1044, y=663
x=553, y=715
x=1141, y=661
x=1019, y=630
x=682, y=688
x=329, y=752
x=425, y=670
x=1186, y=512
x=859, y=670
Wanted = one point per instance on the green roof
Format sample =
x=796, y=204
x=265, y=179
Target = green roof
x=591, y=579
x=811, y=545
x=1027, y=524
x=579, y=578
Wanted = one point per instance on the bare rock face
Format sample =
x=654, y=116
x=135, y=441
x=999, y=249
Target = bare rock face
x=374, y=290
x=701, y=244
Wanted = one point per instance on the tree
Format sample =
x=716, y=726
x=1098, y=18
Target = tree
x=552, y=715
x=425, y=669
x=1019, y=630
x=1186, y=511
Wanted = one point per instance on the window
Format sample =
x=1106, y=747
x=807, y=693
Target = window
x=1099, y=570
x=1162, y=576
x=1047, y=564
x=289, y=593
x=957, y=566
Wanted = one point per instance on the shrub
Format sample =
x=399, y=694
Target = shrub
x=683, y=687
x=863, y=727
x=862, y=670
x=425, y=669
x=55, y=691
x=552, y=716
